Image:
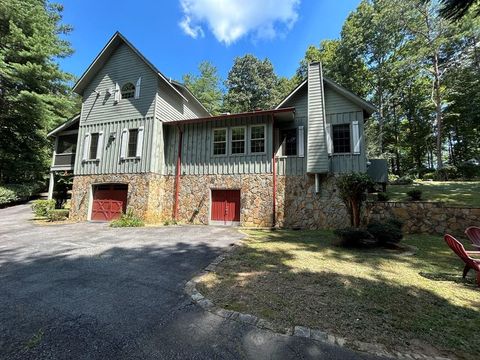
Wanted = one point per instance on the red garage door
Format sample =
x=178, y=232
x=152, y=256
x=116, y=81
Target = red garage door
x=225, y=205
x=109, y=201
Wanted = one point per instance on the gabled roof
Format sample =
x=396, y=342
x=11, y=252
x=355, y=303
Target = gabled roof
x=65, y=125
x=116, y=40
x=185, y=88
x=365, y=105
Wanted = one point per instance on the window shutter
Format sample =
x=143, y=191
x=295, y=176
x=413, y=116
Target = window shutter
x=356, y=137
x=301, y=141
x=139, y=141
x=86, y=147
x=100, y=145
x=124, y=144
x=117, y=94
x=137, y=88
x=329, y=139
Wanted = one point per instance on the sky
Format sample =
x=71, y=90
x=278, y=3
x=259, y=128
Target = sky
x=176, y=35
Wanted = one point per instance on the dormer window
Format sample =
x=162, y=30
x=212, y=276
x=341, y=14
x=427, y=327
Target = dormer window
x=128, y=91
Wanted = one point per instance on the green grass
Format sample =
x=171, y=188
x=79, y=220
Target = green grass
x=455, y=193
x=407, y=303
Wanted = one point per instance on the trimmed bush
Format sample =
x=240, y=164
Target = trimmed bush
x=128, y=220
x=415, y=194
x=388, y=232
x=381, y=196
x=57, y=214
x=447, y=173
x=16, y=192
x=41, y=208
x=352, y=237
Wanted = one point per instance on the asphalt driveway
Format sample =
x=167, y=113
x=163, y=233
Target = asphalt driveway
x=87, y=291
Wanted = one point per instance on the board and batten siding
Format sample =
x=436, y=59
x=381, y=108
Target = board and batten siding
x=122, y=67
x=110, y=162
x=197, y=152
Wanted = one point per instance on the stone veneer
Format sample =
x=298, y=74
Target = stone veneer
x=152, y=197
x=425, y=217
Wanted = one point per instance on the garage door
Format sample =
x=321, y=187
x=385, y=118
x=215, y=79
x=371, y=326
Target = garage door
x=225, y=205
x=109, y=201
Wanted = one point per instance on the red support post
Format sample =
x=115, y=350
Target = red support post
x=177, y=174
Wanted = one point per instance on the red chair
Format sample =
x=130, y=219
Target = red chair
x=473, y=233
x=470, y=263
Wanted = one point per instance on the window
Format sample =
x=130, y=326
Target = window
x=128, y=91
x=67, y=144
x=238, y=140
x=341, y=138
x=219, y=141
x=132, y=142
x=93, y=146
x=288, y=138
x=257, y=139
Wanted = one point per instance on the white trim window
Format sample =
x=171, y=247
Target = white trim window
x=93, y=151
x=257, y=139
x=238, y=137
x=219, y=141
x=132, y=143
x=341, y=138
x=128, y=91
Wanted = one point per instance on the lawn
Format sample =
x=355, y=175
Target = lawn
x=456, y=193
x=407, y=303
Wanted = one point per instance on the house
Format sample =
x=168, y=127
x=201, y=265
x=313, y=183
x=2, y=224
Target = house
x=147, y=144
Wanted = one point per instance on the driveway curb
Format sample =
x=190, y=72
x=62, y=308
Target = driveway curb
x=299, y=331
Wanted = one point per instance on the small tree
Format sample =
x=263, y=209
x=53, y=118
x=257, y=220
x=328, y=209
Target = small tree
x=352, y=189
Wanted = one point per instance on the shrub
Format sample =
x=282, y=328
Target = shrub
x=352, y=237
x=128, y=220
x=388, y=232
x=469, y=170
x=57, y=214
x=429, y=176
x=446, y=173
x=392, y=178
x=415, y=194
x=381, y=196
x=41, y=208
x=352, y=188
x=11, y=193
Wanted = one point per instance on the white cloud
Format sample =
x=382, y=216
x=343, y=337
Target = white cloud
x=229, y=20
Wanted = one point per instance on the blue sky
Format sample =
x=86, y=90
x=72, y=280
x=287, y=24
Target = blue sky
x=176, y=35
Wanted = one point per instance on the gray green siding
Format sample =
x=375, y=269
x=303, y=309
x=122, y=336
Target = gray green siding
x=197, y=154
x=317, y=156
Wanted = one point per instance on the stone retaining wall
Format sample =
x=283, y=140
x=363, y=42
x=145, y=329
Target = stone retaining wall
x=426, y=217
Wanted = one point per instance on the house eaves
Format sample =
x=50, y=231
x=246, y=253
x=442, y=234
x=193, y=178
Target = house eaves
x=64, y=126
x=103, y=57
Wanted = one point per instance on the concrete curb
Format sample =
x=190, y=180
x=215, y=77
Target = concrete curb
x=299, y=331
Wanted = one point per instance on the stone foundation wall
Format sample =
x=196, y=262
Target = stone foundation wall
x=141, y=198
x=426, y=217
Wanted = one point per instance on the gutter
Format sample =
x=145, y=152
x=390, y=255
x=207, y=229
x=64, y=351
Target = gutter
x=177, y=174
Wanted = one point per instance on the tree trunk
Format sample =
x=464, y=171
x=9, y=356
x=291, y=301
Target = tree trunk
x=437, y=98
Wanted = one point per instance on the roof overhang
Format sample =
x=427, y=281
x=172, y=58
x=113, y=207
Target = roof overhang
x=64, y=126
x=365, y=105
x=116, y=40
x=283, y=114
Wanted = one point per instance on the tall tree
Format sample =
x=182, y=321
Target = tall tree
x=456, y=9
x=34, y=91
x=251, y=84
x=206, y=86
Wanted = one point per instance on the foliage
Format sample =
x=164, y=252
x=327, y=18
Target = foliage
x=386, y=232
x=469, y=170
x=57, y=214
x=403, y=180
x=206, y=87
x=63, y=184
x=415, y=194
x=41, y=208
x=352, y=188
x=456, y=9
x=446, y=173
x=381, y=196
x=128, y=220
x=16, y=192
x=34, y=91
x=352, y=237
x=251, y=84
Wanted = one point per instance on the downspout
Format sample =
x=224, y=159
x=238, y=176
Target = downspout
x=177, y=174
x=274, y=172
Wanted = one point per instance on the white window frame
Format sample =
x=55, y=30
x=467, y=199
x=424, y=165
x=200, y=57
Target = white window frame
x=245, y=135
x=128, y=143
x=133, y=94
x=333, y=140
x=90, y=157
x=213, y=141
x=264, y=139
x=282, y=144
